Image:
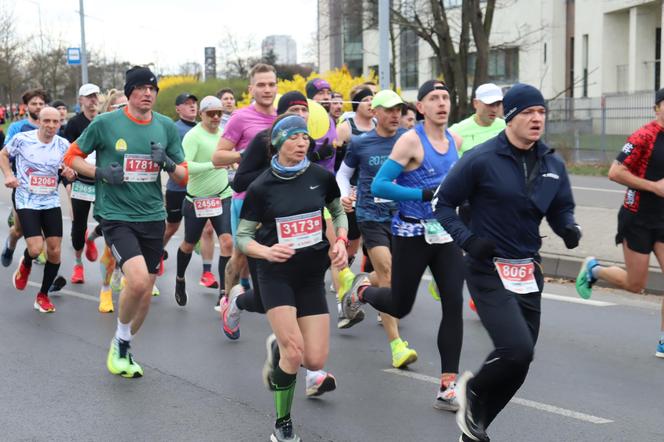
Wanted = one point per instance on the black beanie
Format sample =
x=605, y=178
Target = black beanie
x=139, y=76
x=289, y=99
x=521, y=96
x=359, y=95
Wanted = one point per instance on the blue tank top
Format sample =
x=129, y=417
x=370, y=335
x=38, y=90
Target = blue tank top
x=429, y=175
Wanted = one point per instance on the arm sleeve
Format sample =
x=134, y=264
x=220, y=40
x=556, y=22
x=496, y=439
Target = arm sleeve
x=254, y=161
x=190, y=146
x=383, y=185
x=72, y=152
x=561, y=210
x=344, y=175
x=246, y=232
x=339, y=219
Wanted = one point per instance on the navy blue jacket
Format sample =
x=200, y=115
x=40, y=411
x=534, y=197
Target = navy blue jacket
x=505, y=208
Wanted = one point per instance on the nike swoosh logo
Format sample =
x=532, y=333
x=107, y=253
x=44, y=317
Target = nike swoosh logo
x=491, y=361
x=314, y=187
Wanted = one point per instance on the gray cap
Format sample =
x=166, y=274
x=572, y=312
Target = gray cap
x=210, y=103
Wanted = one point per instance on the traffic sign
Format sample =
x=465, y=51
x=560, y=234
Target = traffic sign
x=73, y=55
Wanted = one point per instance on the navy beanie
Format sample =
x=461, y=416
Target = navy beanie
x=292, y=98
x=519, y=97
x=139, y=76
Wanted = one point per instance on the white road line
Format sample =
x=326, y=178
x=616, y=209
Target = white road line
x=524, y=402
x=68, y=292
x=596, y=189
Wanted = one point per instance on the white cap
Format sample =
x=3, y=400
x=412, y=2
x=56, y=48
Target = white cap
x=88, y=89
x=489, y=93
x=210, y=103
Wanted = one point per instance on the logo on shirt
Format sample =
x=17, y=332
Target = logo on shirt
x=551, y=175
x=314, y=187
x=121, y=145
x=627, y=148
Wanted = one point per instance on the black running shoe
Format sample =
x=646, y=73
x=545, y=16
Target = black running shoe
x=468, y=416
x=58, y=283
x=283, y=432
x=180, y=292
x=271, y=361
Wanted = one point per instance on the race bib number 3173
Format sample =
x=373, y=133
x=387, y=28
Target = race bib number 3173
x=300, y=231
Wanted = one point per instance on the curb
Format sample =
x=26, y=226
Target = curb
x=567, y=267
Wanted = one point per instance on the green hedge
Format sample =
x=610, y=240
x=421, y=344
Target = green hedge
x=166, y=98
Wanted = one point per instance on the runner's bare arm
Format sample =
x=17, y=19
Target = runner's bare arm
x=458, y=141
x=408, y=151
x=225, y=156
x=621, y=175
x=225, y=144
x=10, y=179
x=343, y=133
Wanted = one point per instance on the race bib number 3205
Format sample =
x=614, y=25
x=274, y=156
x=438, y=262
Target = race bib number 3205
x=300, y=231
x=140, y=168
x=43, y=184
x=517, y=275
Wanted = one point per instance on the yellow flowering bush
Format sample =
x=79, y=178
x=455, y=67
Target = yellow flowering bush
x=170, y=81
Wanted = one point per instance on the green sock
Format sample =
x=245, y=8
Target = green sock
x=284, y=390
x=78, y=260
x=394, y=343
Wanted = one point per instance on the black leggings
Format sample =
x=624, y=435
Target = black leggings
x=512, y=322
x=79, y=222
x=251, y=299
x=410, y=258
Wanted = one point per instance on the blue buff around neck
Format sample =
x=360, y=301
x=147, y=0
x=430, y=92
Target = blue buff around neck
x=383, y=185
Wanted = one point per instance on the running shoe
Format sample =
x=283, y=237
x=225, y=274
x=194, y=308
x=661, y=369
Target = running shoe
x=660, y=350
x=120, y=361
x=78, y=276
x=271, y=360
x=283, y=432
x=40, y=259
x=446, y=399
x=350, y=301
x=165, y=255
x=230, y=314
x=105, y=300
x=7, y=254
x=58, y=283
x=91, y=251
x=346, y=278
x=197, y=248
x=21, y=275
x=319, y=382
x=402, y=356
x=467, y=416
x=433, y=290
x=123, y=282
x=472, y=305
x=208, y=280
x=116, y=280
x=222, y=295
x=155, y=290
x=379, y=319
x=180, y=292
x=585, y=279
x=43, y=304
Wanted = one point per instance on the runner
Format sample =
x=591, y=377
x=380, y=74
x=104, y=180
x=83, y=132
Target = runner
x=83, y=192
x=367, y=153
x=408, y=116
x=227, y=97
x=238, y=133
x=417, y=165
x=256, y=160
x=512, y=182
x=336, y=106
x=208, y=199
x=38, y=161
x=640, y=167
x=129, y=202
x=292, y=260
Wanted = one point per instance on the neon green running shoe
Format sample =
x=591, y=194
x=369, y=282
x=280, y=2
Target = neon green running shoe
x=155, y=290
x=41, y=259
x=121, y=362
x=433, y=291
x=585, y=278
x=402, y=356
x=197, y=248
x=346, y=277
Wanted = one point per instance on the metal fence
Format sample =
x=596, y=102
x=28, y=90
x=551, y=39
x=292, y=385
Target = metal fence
x=593, y=130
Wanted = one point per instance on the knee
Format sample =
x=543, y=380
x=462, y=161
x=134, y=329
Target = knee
x=35, y=249
x=208, y=230
x=292, y=351
x=226, y=244
x=138, y=285
x=521, y=354
x=53, y=253
x=187, y=248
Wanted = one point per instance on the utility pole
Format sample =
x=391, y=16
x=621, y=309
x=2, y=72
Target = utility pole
x=84, y=54
x=384, y=46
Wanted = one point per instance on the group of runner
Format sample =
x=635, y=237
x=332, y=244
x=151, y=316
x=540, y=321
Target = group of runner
x=389, y=178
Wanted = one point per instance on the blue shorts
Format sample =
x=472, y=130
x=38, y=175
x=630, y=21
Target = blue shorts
x=236, y=208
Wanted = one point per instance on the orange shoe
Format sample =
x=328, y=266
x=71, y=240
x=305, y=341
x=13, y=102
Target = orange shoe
x=91, y=251
x=77, y=276
x=208, y=280
x=43, y=304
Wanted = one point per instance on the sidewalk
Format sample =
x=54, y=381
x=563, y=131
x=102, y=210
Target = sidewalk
x=599, y=231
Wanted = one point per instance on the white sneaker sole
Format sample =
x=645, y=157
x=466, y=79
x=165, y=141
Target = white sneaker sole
x=269, y=361
x=463, y=404
x=659, y=354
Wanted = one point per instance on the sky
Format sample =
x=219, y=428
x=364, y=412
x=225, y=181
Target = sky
x=168, y=33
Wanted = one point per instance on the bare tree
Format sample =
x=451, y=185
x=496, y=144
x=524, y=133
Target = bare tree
x=10, y=55
x=237, y=58
x=191, y=68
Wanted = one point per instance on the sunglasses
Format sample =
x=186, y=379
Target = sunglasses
x=212, y=114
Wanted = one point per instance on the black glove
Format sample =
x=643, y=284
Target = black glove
x=428, y=194
x=111, y=174
x=159, y=156
x=325, y=152
x=572, y=235
x=480, y=248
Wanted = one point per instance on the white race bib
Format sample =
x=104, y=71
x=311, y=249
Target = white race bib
x=42, y=184
x=517, y=275
x=299, y=231
x=208, y=207
x=140, y=168
x=82, y=191
x=434, y=233
x=382, y=200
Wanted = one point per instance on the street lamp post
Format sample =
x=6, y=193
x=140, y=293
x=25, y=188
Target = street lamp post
x=384, y=43
x=84, y=54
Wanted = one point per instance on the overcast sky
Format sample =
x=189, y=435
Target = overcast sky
x=168, y=32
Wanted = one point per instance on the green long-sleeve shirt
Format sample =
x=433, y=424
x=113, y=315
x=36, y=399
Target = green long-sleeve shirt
x=204, y=179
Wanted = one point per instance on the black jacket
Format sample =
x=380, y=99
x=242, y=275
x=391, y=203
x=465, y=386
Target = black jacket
x=507, y=207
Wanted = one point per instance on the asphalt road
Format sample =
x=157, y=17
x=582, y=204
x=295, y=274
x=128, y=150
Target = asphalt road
x=591, y=191
x=594, y=377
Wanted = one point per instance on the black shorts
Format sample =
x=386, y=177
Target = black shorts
x=353, y=229
x=47, y=222
x=174, y=199
x=193, y=227
x=129, y=239
x=300, y=283
x=376, y=234
x=640, y=234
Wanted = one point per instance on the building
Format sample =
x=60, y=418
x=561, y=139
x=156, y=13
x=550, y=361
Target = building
x=283, y=47
x=567, y=48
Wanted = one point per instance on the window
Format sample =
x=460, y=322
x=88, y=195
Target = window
x=408, y=59
x=503, y=65
x=434, y=66
x=353, y=48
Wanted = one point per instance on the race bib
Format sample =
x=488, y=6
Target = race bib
x=208, y=207
x=42, y=184
x=434, y=233
x=517, y=275
x=140, y=168
x=381, y=200
x=231, y=174
x=300, y=231
x=82, y=191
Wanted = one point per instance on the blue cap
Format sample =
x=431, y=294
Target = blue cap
x=284, y=129
x=521, y=96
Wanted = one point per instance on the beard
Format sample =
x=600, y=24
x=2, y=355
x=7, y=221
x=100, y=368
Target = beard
x=33, y=115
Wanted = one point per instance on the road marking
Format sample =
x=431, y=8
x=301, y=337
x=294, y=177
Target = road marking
x=596, y=189
x=68, y=292
x=524, y=402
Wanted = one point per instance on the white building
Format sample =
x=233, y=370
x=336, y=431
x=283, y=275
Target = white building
x=283, y=46
x=582, y=48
